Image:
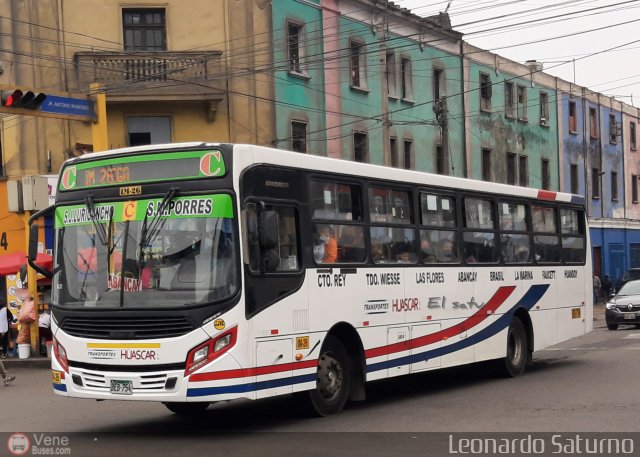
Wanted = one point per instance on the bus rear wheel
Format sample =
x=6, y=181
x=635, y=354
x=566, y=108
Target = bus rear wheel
x=333, y=380
x=187, y=409
x=514, y=363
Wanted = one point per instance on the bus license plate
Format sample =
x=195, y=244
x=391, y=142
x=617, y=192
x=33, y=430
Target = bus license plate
x=121, y=387
x=629, y=315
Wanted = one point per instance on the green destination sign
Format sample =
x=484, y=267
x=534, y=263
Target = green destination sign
x=125, y=170
x=135, y=210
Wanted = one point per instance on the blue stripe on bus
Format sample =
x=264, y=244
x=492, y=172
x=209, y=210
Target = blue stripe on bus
x=533, y=295
x=527, y=302
x=60, y=387
x=242, y=388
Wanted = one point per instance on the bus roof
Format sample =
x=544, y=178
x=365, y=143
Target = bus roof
x=263, y=154
x=310, y=162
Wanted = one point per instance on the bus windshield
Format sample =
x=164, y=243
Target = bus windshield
x=132, y=255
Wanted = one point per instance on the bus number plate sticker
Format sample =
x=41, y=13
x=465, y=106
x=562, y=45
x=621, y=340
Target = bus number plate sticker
x=121, y=387
x=57, y=379
x=302, y=342
x=575, y=313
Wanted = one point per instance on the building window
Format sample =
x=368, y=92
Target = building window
x=634, y=188
x=407, y=79
x=408, y=152
x=573, y=119
x=632, y=136
x=393, y=149
x=546, y=174
x=485, y=92
x=295, y=47
x=509, y=101
x=298, y=136
x=441, y=160
x=523, y=171
x=614, y=186
x=634, y=257
x=595, y=183
x=613, y=129
x=144, y=29
x=593, y=123
x=144, y=130
x=486, y=164
x=511, y=168
x=438, y=83
x=573, y=178
x=358, y=65
x=544, y=108
x=522, y=103
x=360, y=146
x=391, y=74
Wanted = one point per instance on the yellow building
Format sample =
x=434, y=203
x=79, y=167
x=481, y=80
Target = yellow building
x=172, y=71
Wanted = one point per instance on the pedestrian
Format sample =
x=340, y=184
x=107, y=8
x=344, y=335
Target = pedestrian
x=4, y=329
x=597, y=285
x=606, y=286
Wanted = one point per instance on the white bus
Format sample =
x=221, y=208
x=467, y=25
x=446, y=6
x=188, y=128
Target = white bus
x=193, y=273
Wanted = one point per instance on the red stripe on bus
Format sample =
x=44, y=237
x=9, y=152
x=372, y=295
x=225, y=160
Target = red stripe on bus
x=547, y=195
x=494, y=302
x=247, y=372
x=489, y=308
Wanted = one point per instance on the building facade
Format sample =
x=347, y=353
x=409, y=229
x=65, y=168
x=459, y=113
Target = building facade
x=361, y=80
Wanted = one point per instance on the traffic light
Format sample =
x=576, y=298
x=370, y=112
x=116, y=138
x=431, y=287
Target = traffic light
x=25, y=100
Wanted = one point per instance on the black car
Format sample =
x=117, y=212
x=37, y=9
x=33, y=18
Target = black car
x=624, y=306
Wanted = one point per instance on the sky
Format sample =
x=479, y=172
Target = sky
x=498, y=25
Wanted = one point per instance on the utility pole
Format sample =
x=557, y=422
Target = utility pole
x=99, y=132
x=381, y=32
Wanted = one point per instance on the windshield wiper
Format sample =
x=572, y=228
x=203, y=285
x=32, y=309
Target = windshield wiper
x=148, y=234
x=100, y=231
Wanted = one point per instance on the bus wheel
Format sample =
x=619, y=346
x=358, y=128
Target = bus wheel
x=514, y=363
x=187, y=409
x=333, y=379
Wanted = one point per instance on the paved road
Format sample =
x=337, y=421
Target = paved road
x=587, y=384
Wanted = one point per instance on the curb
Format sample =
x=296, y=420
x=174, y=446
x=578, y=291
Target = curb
x=32, y=362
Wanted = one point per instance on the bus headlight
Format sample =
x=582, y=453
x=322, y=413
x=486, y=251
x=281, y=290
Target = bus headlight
x=222, y=342
x=201, y=354
x=210, y=350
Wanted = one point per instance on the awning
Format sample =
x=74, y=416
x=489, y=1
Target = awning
x=10, y=263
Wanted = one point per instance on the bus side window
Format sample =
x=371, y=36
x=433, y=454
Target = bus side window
x=284, y=256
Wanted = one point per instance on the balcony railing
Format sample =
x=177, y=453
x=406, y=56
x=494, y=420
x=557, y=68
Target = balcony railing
x=153, y=76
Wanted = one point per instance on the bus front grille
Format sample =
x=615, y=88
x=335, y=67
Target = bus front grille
x=126, y=328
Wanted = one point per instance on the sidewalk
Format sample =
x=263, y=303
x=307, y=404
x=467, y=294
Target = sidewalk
x=32, y=362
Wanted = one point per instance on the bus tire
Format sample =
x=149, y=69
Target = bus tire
x=514, y=363
x=333, y=381
x=187, y=409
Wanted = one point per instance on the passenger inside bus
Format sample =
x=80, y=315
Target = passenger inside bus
x=377, y=252
x=351, y=244
x=447, y=252
x=426, y=253
x=328, y=238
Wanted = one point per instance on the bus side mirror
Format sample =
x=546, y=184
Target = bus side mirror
x=33, y=241
x=268, y=224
